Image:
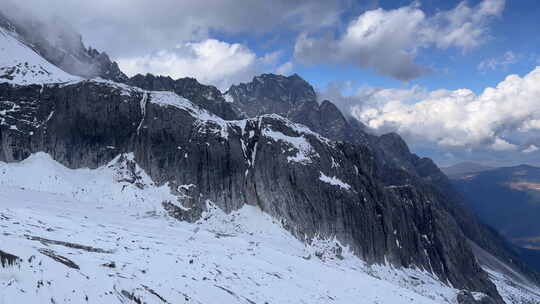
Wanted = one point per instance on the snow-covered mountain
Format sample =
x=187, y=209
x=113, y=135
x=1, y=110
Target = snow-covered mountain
x=98, y=236
x=151, y=190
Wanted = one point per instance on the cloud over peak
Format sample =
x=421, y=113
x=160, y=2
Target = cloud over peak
x=210, y=61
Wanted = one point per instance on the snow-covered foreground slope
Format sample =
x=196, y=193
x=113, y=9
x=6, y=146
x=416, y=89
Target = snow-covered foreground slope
x=100, y=236
x=19, y=64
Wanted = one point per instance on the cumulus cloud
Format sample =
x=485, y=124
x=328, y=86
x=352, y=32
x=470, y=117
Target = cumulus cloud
x=344, y=95
x=531, y=149
x=389, y=40
x=502, y=62
x=285, y=69
x=502, y=118
x=209, y=61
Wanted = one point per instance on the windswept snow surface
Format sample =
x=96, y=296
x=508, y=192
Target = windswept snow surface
x=115, y=184
x=98, y=236
x=511, y=292
x=21, y=65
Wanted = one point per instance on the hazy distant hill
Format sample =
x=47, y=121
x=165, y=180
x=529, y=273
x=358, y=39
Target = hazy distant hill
x=507, y=199
x=464, y=168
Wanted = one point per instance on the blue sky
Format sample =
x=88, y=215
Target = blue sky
x=418, y=68
x=516, y=31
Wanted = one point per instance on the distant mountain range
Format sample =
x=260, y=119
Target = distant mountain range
x=460, y=169
x=508, y=199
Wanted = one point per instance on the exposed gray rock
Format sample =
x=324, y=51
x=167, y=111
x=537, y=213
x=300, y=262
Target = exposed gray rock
x=67, y=244
x=270, y=93
x=8, y=260
x=60, y=259
x=208, y=97
x=294, y=98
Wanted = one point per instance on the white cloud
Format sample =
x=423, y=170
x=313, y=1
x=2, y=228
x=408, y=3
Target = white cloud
x=530, y=125
x=343, y=95
x=463, y=27
x=285, y=69
x=499, y=119
x=209, y=61
x=495, y=63
x=531, y=149
x=500, y=144
x=271, y=58
x=128, y=28
x=389, y=40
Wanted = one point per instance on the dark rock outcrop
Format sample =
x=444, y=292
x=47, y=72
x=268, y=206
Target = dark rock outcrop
x=58, y=258
x=208, y=97
x=270, y=93
x=294, y=98
x=8, y=260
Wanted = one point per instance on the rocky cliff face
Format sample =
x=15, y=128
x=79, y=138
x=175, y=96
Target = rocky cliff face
x=397, y=165
x=270, y=93
x=208, y=97
x=315, y=186
x=294, y=98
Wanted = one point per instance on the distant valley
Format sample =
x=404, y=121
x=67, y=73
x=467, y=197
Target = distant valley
x=507, y=199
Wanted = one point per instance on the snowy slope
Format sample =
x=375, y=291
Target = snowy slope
x=19, y=64
x=99, y=236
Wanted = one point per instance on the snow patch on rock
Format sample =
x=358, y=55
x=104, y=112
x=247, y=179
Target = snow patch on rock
x=302, y=149
x=228, y=98
x=334, y=181
x=206, y=120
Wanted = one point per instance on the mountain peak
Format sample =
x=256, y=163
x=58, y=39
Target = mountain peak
x=328, y=104
x=279, y=77
x=271, y=93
